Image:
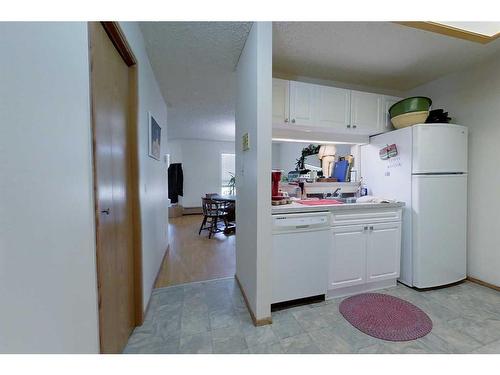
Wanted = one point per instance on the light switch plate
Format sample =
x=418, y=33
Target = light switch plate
x=245, y=142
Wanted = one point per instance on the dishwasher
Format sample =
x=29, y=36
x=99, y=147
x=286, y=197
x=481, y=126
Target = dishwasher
x=301, y=244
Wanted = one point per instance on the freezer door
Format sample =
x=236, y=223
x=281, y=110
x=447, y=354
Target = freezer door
x=439, y=229
x=439, y=148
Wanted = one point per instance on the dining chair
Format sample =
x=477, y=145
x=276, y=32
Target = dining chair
x=214, y=212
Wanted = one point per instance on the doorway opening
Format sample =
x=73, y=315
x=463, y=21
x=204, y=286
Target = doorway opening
x=202, y=224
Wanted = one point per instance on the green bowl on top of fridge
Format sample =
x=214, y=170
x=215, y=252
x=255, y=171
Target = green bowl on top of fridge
x=408, y=105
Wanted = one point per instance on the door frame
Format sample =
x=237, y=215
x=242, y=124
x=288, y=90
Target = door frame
x=117, y=37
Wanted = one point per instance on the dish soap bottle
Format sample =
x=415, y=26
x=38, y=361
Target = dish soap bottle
x=362, y=189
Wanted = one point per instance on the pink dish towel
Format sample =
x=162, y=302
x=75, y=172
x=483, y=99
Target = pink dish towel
x=319, y=202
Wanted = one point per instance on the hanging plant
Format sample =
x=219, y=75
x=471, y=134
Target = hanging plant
x=232, y=184
x=306, y=151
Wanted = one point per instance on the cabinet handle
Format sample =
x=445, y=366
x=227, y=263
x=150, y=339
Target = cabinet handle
x=286, y=120
x=365, y=228
x=348, y=126
x=293, y=121
x=371, y=227
x=354, y=126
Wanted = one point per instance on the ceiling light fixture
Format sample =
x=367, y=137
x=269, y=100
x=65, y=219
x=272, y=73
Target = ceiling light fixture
x=479, y=32
x=293, y=140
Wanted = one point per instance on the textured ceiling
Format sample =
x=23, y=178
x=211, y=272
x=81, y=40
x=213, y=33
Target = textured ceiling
x=378, y=54
x=194, y=63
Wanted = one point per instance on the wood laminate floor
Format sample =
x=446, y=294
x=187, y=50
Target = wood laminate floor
x=194, y=257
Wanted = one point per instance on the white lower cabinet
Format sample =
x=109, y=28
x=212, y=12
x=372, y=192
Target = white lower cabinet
x=383, y=251
x=347, y=257
x=364, y=256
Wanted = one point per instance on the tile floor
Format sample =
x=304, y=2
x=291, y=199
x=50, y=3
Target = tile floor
x=211, y=317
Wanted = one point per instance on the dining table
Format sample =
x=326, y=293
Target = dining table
x=231, y=217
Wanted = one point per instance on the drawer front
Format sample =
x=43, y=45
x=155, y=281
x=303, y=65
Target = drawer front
x=366, y=216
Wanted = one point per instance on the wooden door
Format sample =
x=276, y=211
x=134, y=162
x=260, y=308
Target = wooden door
x=114, y=231
x=347, y=257
x=333, y=108
x=302, y=103
x=281, y=101
x=383, y=251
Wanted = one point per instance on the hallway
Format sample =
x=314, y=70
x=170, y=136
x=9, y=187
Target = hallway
x=194, y=257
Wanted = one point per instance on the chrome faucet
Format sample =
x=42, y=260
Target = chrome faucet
x=335, y=193
x=332, y=195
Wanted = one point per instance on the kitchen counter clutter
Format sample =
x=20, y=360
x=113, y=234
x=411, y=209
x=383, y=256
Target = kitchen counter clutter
x=299, y=208
x=335, y=250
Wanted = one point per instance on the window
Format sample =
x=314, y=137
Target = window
x=227, y=174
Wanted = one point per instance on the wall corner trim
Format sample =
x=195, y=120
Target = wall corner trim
x=256, y=322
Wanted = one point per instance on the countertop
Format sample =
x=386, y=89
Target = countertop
x=298, y=208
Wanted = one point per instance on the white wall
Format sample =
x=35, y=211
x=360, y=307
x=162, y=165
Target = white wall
x=47, y=239
x=201, y=165
x=253, y=169
x=472, y=98
x=47, y=252
x=153, y=173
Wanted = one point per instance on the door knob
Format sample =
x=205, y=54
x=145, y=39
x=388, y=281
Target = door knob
x=348, y=126
x=371, y=227
x=286, y=120
x=106, y=211
x=354, y=126
x=293, y=121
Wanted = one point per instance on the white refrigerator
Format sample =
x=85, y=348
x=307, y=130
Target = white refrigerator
x=429, y=173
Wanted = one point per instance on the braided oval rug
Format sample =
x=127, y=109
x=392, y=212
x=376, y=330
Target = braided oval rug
x=385, y=317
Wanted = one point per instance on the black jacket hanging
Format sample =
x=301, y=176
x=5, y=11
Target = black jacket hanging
x=175, y=182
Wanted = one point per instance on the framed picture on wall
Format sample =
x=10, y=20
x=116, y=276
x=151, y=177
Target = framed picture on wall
x=154, y=138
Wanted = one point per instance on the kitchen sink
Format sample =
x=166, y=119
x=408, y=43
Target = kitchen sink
x=340, y=199
x=346, y=200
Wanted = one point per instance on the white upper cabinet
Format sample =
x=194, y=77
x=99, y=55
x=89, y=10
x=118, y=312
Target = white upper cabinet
x=302, y=106
x=338, y=110
x=332, y=107
x=385, y=119
x=365, y=112
x=281, y=101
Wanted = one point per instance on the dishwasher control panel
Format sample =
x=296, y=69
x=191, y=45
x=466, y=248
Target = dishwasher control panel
x=298, y=222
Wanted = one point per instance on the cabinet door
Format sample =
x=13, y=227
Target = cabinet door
x=347, y=257
x=281, y=102
x=385, y=119
x=302, y=103
x=383, y=251
x=365, y=113
x=332, y=108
